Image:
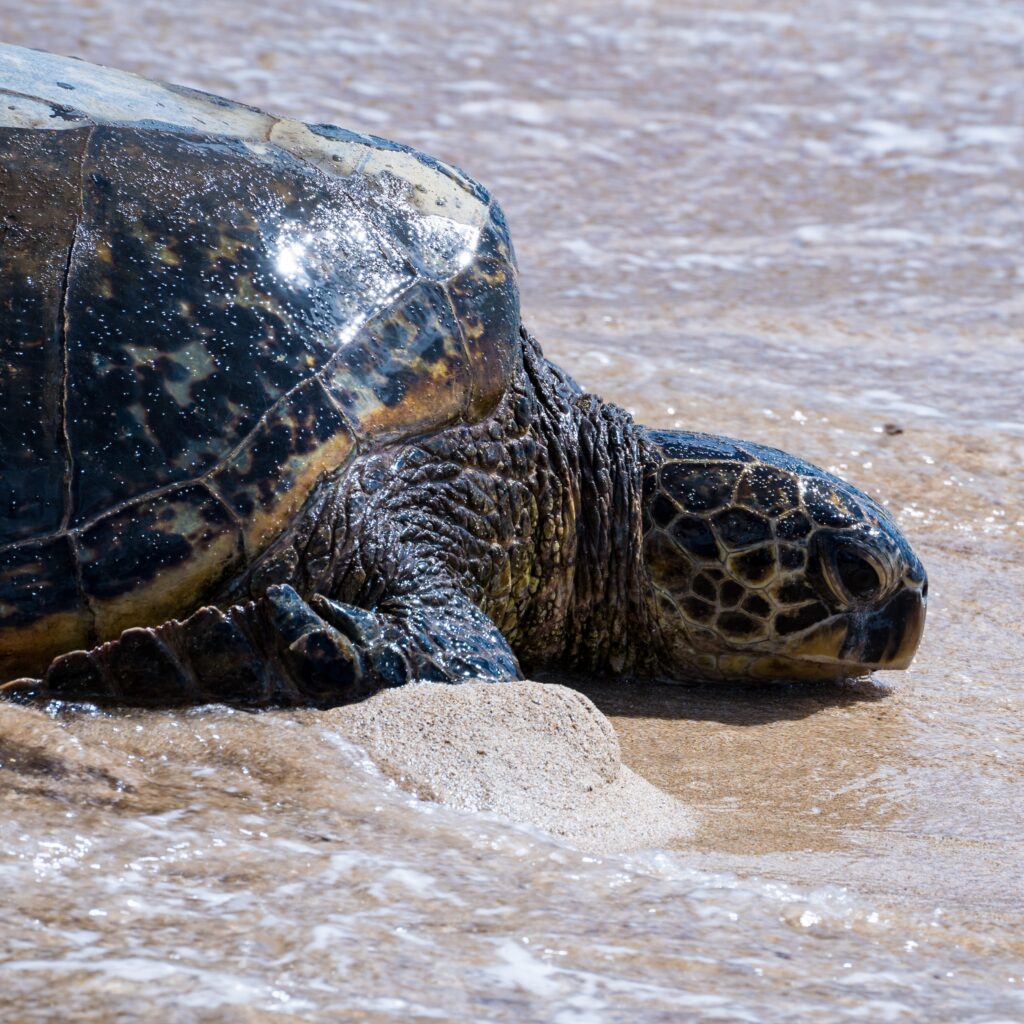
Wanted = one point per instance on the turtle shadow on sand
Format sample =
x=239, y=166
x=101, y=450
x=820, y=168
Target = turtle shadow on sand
x=779, y=768
x=734, y=704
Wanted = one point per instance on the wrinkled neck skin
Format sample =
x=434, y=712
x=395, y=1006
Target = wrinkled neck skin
x=594, y=609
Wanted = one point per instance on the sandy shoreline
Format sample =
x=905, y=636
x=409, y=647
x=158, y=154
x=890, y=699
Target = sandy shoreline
x=535, y=754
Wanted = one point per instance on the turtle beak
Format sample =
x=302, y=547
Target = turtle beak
x=888, y=637
x=869, y=639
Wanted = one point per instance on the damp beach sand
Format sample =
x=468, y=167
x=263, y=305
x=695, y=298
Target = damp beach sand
x=794, y=223
x=535, y=754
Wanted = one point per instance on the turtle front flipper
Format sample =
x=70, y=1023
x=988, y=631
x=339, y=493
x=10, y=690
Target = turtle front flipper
x=279, y=650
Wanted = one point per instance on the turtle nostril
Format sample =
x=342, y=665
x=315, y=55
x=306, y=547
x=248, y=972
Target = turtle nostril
x=857, y=575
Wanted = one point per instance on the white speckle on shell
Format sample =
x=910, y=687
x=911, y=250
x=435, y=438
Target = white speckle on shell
x=104, y=95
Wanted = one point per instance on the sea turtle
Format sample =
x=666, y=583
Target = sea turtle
x=271, y=431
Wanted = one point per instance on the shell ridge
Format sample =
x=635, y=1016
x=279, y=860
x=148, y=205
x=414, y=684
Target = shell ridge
x=269, y=135
x=380, y=144
x=65, y=334
x=443, y=286
x=107, y=92
x=190, y=92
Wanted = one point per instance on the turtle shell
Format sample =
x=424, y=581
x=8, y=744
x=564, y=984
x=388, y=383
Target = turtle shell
x=204, y=310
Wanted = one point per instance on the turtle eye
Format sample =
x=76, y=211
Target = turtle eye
x=853, y=575
x=857, y=575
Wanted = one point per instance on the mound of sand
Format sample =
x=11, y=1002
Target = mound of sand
x=537, y=754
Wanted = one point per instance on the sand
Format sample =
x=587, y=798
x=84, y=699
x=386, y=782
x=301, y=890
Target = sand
x=531, y=753
x=535, y=754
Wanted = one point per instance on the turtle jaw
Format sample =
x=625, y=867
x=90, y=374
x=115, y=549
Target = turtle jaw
x=887, y=638
x=870, y=639
x=847, y=646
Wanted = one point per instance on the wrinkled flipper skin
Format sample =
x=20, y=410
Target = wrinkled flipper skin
x=281, y=650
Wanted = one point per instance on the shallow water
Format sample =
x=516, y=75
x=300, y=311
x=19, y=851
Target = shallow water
x=792, y=222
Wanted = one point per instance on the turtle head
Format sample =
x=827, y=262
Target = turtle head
x=764, y=566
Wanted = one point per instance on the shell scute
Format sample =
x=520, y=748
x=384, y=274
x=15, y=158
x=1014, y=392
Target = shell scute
x=156, y=556
x=495, y=240
x=39, y=183
x=407, y=371
x=485, y=297
x=376, y=142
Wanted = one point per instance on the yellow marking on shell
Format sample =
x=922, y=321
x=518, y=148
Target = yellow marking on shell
x=474, y=331
x=276, y=493
x=29, y=649
x=304, y=473
x=416, y=411
x=495, y=277
x=247, y=297
x=173, y=593
x=436, y=386
x=229, y=245
x=194, y=357
x=101, y=248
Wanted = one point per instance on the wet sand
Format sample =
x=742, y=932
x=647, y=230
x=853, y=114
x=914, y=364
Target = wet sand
x=525, y=753
x=535, y=754
x=794, y=223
